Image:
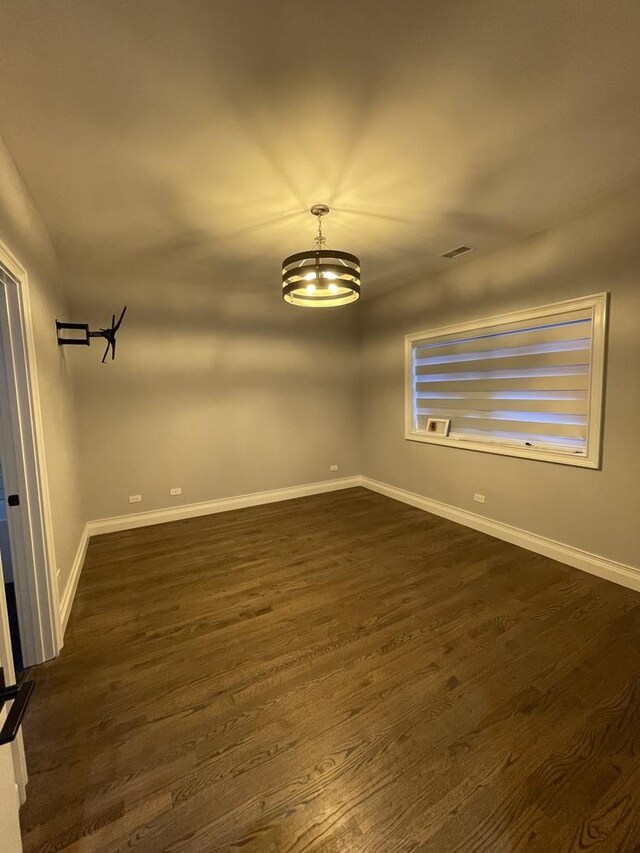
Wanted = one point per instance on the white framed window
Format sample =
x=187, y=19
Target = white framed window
x=529, y=383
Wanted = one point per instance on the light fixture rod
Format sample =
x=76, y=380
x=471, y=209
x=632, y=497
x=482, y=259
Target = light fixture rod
x=319, y=210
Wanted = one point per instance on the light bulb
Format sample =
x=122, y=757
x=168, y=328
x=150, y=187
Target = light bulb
x=329, y=275
x=310, y=288
x=310, y=275
x=333, y=288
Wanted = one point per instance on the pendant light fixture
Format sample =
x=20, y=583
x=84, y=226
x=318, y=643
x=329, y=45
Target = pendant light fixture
x=321, y=277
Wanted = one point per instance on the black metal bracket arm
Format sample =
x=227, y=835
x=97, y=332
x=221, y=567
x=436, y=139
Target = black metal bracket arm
x=82, y=334
x=79, y=341
x=19, y=694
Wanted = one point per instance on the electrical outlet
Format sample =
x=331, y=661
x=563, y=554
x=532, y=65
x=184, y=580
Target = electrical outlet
x=333, y=467
x=479, y=498
x=176, y=491
x=135, y=499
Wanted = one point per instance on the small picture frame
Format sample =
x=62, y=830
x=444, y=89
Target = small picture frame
x=438, y=426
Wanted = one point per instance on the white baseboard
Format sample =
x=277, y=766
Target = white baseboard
x=603, y=567
x=611, y=570
x=72, y=580
x=160, y=516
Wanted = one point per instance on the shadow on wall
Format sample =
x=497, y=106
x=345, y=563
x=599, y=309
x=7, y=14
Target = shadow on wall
x=189, y=332
x=594, y=510
x=220, y=393
x=578, y=254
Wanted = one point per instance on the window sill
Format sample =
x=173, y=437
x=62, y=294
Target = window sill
x=577, y=459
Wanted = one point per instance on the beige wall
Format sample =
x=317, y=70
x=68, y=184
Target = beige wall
x=22, y=231
x=219, y=394
x=594, y=510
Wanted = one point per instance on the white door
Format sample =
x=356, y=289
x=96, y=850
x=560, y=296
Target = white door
x=10, y=754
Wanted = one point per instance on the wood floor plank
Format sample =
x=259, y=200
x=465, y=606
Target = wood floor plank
x=336, y=673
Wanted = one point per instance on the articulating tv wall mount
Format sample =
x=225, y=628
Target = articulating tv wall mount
x=81, y=334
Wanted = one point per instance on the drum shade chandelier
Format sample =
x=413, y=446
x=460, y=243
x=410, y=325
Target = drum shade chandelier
x=321, y=277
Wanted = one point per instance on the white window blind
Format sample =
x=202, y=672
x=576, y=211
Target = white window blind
x=528, y=384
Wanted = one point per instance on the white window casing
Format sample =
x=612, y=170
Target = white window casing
x=528, y=383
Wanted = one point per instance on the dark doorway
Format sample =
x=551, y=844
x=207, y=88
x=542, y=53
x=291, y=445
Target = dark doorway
x=9, y=585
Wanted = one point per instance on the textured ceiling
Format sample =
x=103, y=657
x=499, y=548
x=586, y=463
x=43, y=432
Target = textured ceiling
x=191, y=137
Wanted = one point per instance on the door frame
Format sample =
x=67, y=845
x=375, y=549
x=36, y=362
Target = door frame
x=16, y=764
x=6, y=661
x=25, y=472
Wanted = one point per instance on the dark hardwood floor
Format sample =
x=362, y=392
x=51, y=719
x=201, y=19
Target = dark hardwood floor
x=340, y=673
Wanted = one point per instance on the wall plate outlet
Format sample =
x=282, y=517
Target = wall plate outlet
x=479, y=498
x=176, y=491
x=135, y=499
x=333, y=467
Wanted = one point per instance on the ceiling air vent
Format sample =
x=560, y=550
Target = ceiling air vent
x=454, y=253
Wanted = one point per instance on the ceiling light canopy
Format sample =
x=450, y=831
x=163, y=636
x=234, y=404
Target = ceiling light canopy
x=321, y=277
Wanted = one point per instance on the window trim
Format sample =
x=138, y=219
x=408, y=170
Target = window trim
x=598, y=303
